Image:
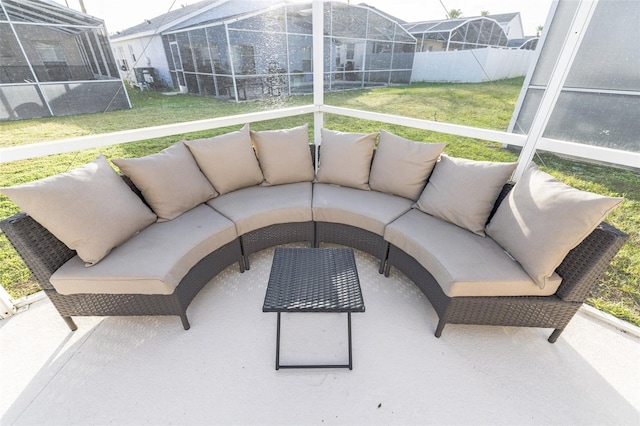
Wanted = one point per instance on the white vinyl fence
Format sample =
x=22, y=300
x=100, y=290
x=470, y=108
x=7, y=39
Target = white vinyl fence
x=471, y=66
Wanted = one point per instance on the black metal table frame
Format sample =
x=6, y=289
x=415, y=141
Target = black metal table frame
x=304, y=272
x=349, y=365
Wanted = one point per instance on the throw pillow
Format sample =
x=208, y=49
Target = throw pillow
x=170, y=180
x=542, y=219
x=228, y=161
x=463, y=192
x=90, y=209
x=401, y=166
x=284, y=155
x=345, y=158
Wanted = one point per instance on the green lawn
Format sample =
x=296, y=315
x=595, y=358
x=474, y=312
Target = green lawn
x=487, y=105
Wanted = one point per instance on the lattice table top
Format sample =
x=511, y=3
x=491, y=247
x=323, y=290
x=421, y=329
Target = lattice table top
x=313, y=280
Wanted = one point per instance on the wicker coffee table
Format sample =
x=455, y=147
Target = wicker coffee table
x=313, y=280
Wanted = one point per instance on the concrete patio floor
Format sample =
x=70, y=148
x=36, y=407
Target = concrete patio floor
x=148, y=370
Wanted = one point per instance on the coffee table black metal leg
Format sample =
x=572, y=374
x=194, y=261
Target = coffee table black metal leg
x=350, y=350
x=278, y=344
x=349, y=365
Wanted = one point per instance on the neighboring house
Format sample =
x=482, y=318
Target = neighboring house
x=470, y=50
x=140, y=47
x=466, y=33
x=457, y=34
x=511, y=24
x=247, y=49
x=55, y=61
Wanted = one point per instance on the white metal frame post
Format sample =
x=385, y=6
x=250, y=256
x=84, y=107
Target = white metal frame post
x=532, y=67
x=558, y=77
x=318, y=71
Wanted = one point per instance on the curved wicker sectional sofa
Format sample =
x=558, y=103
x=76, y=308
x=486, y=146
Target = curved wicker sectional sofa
x=163, y=266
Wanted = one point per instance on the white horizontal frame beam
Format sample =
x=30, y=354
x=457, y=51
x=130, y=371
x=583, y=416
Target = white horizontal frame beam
x=435, y=126
x=24, y=152
x=596, y=153
x=587, y=152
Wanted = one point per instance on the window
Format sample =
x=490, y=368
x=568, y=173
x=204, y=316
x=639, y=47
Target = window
x=244, y=60
x=49, y=51
x=53, y=60
x=133, y=56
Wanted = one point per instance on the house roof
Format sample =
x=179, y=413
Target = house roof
x=383, y=13
x=47, y=12
x=197, y=13
x=210, y=11
x=449, y=24
x=504, y=17
x=226, y=10
x=155, y=23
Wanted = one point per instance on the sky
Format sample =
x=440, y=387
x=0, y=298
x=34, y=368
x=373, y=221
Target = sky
x=121, y=14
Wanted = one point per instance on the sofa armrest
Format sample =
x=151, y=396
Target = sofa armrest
x=584, y=265
x=41, y=251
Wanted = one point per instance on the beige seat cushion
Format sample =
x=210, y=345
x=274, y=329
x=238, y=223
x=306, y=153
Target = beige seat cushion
x=170, y=180
x=284, y=155
x=464, y=264
x=402, y=167
x=542, y=219
x=345, y=158
x=369, y=210
x=463, y=192
x=259, y=206
x=154, y=261
x=228, y=161
x=90, y=209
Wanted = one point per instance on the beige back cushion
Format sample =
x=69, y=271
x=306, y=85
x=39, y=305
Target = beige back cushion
x=463, y=192
x=401, y=166
x=90, y=209
x=345, y=158
x=228, y=161
x=542, y=219
x=170, y=180
x=284, y=155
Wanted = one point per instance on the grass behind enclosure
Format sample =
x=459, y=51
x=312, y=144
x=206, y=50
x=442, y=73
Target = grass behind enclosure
x=487, y=105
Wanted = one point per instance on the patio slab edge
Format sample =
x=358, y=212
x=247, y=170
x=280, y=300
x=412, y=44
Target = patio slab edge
x=611, y=320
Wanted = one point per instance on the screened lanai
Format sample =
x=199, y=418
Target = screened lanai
x=135, y=370
x=54, y=61
x=599, y=100
x=269, y=52
x=457, y=34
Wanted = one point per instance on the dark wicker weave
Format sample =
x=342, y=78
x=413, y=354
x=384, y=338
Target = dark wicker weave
x=273, y=235
x=347, y=235
x=44, y=254
x=580, y=271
